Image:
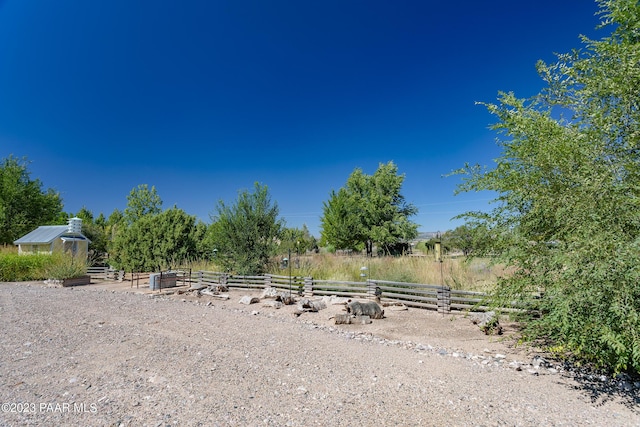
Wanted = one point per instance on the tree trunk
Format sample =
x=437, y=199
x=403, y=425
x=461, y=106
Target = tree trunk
x=369, y=245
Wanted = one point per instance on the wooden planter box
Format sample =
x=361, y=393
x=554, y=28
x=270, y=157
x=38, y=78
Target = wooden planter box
x=77, y=281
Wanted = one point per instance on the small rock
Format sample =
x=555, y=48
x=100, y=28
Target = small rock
x=363, y=320
x=247, y=300
x=625, y=386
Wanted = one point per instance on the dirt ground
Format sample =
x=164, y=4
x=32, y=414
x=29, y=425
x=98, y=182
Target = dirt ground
x=113, y=354
x=454, y=332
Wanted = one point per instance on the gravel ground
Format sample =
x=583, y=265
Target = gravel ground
x=90, y=356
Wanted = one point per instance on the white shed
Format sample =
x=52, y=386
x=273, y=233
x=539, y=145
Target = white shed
x=56, y=238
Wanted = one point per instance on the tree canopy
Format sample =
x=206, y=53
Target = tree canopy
x=24, y=205
x=467, y=238
x=567, y=216
x=142, y=201
x=145, y=238
x=157, y=241
x=297, y=240
x=369, y=210
x=246, y=233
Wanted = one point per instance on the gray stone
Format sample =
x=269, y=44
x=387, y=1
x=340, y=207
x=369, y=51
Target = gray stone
x=362, y=320
x=249, y=300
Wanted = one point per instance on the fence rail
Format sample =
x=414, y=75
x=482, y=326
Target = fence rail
x=105, y=273
x=432, y=297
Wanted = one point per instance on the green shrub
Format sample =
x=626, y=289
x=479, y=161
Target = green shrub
x=19, y=268
x=64, y=267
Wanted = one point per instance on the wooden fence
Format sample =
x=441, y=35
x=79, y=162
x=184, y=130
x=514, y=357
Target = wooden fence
x=431, y=297
x=105, y=273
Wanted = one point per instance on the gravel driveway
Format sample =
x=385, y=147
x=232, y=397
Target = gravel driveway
x=94, y=357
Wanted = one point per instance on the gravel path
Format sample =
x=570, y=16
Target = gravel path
x=74, y=356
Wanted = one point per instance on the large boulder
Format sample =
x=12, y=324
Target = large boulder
x=369, y=308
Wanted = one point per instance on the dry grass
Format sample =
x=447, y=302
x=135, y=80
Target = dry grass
x=8, y=249
x=458, y=273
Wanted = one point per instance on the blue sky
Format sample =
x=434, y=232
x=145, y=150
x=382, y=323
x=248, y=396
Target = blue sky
x=202, y=99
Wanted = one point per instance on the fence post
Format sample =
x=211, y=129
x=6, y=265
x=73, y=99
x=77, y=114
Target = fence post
x=444, y=299
x=371, y=288
x=267, y=280
x=200, y=278
x=308, y=287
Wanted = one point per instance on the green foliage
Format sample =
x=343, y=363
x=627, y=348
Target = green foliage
x=97, y=232
x=467, y=238
x=142, y=201
x=341, y=227
x=63, y=267
x=246, y=234
x=19, y=268
x=369, y=210
x=568, y=186
x=156, y=241
x=203, y=250
x=298, y=241
x=115, y=223
x=24, y=205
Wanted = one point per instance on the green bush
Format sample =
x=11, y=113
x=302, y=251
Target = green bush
x=64, y=267
x=19, y=268
x=566, y=218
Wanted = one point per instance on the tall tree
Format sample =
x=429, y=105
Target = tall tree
x=369, y=210
x=340, y=222
x=142, y=201
x=156, y=242
x=568, y=182
x=24, y=205
x=246, y=233
x=468, y=238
